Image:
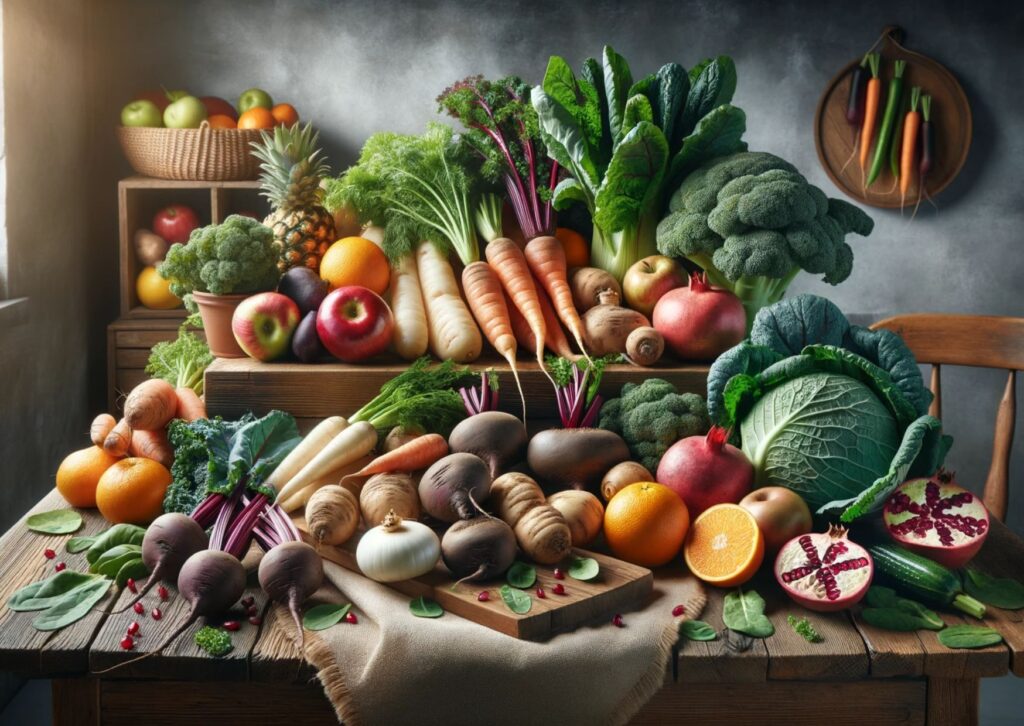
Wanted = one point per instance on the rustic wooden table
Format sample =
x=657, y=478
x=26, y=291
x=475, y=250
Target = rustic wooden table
x=857, y=675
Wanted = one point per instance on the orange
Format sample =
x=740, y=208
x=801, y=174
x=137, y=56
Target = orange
x=256, y=117
x=79, y=474
x=154, y=291
x=132, y=491
x=222, y=121
x=725, y=547
x=356, y=261
x=577, y=251
x=646, y=523
x=285, y=114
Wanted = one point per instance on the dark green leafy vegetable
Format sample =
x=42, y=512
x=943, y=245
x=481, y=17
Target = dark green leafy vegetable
x=194, y=444
x=119, y=534
x=56, y=521
x=134, y=569
x=321, y=617
x=73, y=606
x=969, y=636
x=63, y=598
x=424, y=607
x=181, y=362
x=697, y=630
x=804, y=629
x=744, y=613
x=521, y=575
x=517, y=601
x=1000, y=592
x=214, y=641
x=80, y=544
x=897, y=619
x=110, y=562
x=584, y=568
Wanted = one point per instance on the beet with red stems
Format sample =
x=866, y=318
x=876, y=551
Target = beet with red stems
x=574, y=458
x=452, y=488
x=497, y=437
x=479, y=548
x=170, y=540
x=290, y=573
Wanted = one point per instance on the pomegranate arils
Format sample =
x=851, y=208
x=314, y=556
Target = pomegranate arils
x=133, y=628
x=255, y=619
x=130, y=584
x=559, y=575
x=162, y=593
x=351, y=618
x=824, y=571
x=252, y=610
x=232, y=625
x=678, y=610
x=60, y=567
x=127, y=643
x=617, y=621
x=540, y=593
x=248, y=601
x=483, y=596
x=558, y=589
x=137, y=607
x=49, y=553
x=156, y=614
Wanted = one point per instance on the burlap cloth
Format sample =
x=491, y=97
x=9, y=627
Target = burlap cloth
x=394, y=668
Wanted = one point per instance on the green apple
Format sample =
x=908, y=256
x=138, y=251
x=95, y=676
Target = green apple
x=175, y=95
x=185, y=113
x=141, y=113
x=254, y=97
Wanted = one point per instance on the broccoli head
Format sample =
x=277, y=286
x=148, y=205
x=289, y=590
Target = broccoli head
x=237, y=256
x=752, y=222
x=653, y=415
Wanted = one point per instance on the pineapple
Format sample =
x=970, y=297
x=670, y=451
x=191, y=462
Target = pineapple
x=292, y=168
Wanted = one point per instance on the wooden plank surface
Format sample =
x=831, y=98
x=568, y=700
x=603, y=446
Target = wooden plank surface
x=890, y=654
x=1003, y=556
x=717, y=661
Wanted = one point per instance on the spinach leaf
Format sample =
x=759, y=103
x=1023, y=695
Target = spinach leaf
x=712, y=87
x=1000, y=592
x=321, y=617
x=719, y=133
x=969, y=636
x=521, y=575
x=517, y=601
x=119, y=534
x=580, y=101
x=45, y=593
x=744, y=613
x=697, y=630
x=111, y=561
x=56, y=521
x=424, y=607
x=80, y=544
x=885, y=598
x=898, y=619
x=584, y=568
x=135, y=569
x=73, y=606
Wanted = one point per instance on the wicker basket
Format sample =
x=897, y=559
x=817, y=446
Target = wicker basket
x=203, y=154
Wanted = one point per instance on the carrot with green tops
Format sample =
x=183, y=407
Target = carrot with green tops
x=911, y=125
x=872, y=95
x=411, y=456
x=508, y=262
x=546, y=258
x=487, y=301
x=885, y=131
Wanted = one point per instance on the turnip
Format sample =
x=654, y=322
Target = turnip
x=169, y=541
x=497, y=437
x=289, y=574
x=478, y=548
x=452, y=487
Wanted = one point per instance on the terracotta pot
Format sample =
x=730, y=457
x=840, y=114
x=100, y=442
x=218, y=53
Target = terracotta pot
x=216, y=312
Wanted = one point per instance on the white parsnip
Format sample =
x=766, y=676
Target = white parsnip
x=373, y=233
x=411, y=336
x=453, y=332
x=311, y=445
x=300, y=498
x=352, y=443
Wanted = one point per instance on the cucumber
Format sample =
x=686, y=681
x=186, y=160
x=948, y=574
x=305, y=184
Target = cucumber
x=918, y=577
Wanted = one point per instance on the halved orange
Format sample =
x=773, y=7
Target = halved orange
x=725, y=546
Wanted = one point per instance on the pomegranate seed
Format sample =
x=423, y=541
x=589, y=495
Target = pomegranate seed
x=558, y=589
x=127, y=643
x=253, y=610
x=231, y=625
x=559, y=575
x=130, y=584
x=156, y=614
x=678, y=610
x=483, y=596
x=60, y=567
x=540, y=593
x=49, y=554
x=133, y=628
x=248, y=601
x=255, y=619
x=351, y=618
x=618, y=622
x=162, y=592
x=137, y=607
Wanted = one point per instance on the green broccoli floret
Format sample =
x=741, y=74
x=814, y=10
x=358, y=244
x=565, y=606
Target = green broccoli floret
x=214, y=641
x=653, y=415
x=237, y=256
x=752, y=222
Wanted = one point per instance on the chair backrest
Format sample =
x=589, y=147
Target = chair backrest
x=971, y=340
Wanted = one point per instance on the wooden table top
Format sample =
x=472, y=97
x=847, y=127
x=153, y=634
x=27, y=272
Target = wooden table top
x=851, y=649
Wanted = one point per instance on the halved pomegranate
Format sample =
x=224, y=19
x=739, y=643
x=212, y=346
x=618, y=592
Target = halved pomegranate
x=937, y=518
x=824, y=571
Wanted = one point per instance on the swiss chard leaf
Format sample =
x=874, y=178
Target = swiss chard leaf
x=568, y=191
x=565, y=139
x=259, y=447
x=744, y=613
x=638, y=108
x=579, y=101
x=633, y=179
x=1000, y=592
x=617, y=81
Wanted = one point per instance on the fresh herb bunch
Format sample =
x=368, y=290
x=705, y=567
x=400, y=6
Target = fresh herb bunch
x=503, y=130
x=804, y=629
x=180, y=362
x=214, y=641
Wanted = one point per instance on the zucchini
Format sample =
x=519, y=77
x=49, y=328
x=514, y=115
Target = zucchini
x=918, y=577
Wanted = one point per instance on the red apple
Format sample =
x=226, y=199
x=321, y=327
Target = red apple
x=354, y=323
x=215, y=105
x=157, y=96
x=781, y=515
x=650, y=278
x=175, y=223
x=263, y=325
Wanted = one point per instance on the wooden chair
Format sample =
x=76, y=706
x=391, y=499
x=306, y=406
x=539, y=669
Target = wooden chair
x=971, y=340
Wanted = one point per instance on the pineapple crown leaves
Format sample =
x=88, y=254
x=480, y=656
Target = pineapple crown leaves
x=292, y=166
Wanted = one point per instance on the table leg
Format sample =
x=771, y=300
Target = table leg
x=952, y=702
x=76, y=701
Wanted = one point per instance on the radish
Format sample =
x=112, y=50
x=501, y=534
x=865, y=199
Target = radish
x=169, y=541
x=705, y=470
x=700, y=322
x=289, y=573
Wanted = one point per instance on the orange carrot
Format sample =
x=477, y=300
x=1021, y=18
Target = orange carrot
x=908, y=150
x=872, y=98
x=487, y=301
x=546, y=258
x=152, y=445
x=508, y=262
x=150, y=405
x=556, y=342
x=101, y=427
x=190, y=405
x=417, y=454
x=118, y=439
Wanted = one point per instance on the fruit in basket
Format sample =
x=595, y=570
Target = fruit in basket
x=263, y=325
x=185, y=113
x=142, y=113
x=158, y=97
x=646, y=524
x=256, y=118
x=154, y=292
x=284, y=114
x=647, y=280
x=150, y=248
x=781, y=513
x=132, y=491
x=356, y=261
x=216, y=106
x=305, y=287
x=220, y=121
x=354, y=323
x=292, y=169
x=699, y=322
x=706, y=470
x=725, y=547
x=824, y=571
x=79, y=474
x=254, y=98
x=937, y=518
x=175, y=223
x=306, y=345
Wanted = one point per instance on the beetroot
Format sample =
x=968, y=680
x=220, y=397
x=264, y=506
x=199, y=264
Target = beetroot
x=170, y=540
x=824, y=571
x=938, y=519
x=700, y=322
x=705, y=471
x=289, y=573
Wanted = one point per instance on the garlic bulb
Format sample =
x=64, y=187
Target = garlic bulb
x=397, y=549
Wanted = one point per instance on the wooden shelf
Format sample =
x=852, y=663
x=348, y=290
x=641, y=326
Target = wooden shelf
x=129, y=340
x=141, y=311
x=148, y=182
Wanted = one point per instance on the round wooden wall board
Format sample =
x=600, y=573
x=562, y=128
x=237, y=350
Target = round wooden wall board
x=951, y=118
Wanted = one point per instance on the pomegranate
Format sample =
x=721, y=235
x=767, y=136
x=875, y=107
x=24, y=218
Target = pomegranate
x=705, y=470
x=699, y=322
x=824, y=572
x=938, y=519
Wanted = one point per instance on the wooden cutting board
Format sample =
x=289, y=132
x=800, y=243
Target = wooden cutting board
x=619, y=587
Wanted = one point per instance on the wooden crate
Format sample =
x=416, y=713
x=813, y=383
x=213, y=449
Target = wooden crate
x=129, y=341
x=139, y=198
